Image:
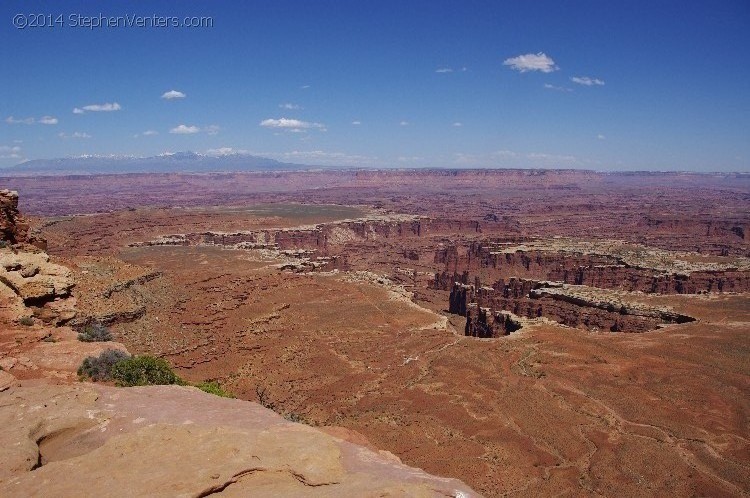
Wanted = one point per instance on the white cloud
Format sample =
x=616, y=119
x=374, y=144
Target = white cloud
x=12, y=120
x=10, y=152
x=48, y=120
x=304, y=87
x=212, y=129
x=77, y=134
x=225, y=151
x=551, y=159
x=404, y=123
x=184, y=130
x=147, y=133
x=586, y=81
x=293, y=125
x=458, y=124
x=601, y=137
x=558, y=88
x=106, y=107
x=444, y=70
x=532, y=62
x=289, y=106
x=356, y=123
x=173, y=94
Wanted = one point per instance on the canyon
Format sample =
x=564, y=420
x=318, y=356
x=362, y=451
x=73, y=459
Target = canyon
x=525, y=332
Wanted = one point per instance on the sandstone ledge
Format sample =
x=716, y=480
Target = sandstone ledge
x=95, y=440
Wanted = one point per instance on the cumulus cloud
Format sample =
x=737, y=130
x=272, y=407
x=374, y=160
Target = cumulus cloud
x=601, y=137
x=356, y=123
x=586, y=81
x=212, y=129
x=184, y=130
x=12, y=120
x=458, y=124
x=444, y=70
x=48, y=120
x=289, y=106
x=293, y=125
x=173, y=94
x=76, y=134
x=404, y=123
x=532, y=62
x=106, y=107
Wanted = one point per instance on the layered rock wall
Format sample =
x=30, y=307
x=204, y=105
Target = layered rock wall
x=594, y=270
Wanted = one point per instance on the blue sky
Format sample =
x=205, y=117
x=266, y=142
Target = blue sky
x=584, y=84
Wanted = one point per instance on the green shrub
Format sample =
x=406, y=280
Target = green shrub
x=99, y=368
x=95, y=332
x=27, y=321
x=144, y=371
x=213, y=387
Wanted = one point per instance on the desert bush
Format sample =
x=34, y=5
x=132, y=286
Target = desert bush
x=144, y=371
x=213, y=387
x=27, y=321
x=95, y=332
x=99, y=368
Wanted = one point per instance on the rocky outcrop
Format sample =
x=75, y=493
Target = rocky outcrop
x=32, y=285
x=486, y=323
x=33, y=278
x=574, y=306
x=92, y=440
x=14, y=229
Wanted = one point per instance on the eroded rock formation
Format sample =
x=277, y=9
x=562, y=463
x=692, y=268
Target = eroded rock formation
x=14, y=229
x=575, y=306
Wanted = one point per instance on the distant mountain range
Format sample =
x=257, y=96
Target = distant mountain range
x=182, y=162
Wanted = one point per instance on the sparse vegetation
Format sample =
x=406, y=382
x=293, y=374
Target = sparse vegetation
x=144, y=371
x=296, y=418
x=95, y=332
x=26, y=321
x=213, y=387
x=99, y=368
x=264, y=399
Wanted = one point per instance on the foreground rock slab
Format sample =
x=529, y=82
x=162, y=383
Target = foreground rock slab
x=93, y=440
